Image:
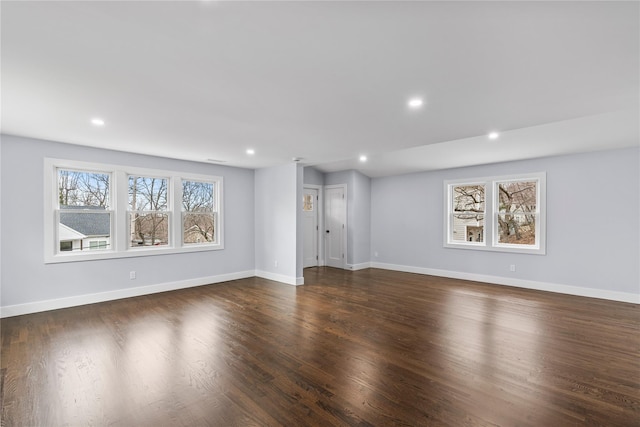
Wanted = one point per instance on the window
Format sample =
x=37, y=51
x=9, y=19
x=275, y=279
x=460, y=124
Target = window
x=498, y=214
x=82, y=212
x=468, y=213
x=148, y=211
x=95, y=211
x=516, y=213
x=98, y=244
x=198, y=212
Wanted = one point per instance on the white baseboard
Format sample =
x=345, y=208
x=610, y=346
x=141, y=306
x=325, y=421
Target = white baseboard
x=361, y=266
x=54, y=304
x=289, y=280
x=519, y=283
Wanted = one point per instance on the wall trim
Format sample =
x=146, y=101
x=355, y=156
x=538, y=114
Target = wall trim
x=518, y=283
x=289, y=280
x=78, y=300
x=356, y=267
x=55, y=304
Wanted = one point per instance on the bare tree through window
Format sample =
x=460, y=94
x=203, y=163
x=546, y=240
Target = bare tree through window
x=468, y=212
x=80, y=188
x=517, y=211
x=198, y=205
x=83, y=210
x=148, y=211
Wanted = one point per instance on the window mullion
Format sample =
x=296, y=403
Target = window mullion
x=121, y=201
x=175, y=207
x=490, y=210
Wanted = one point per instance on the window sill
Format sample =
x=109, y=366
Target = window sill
x=502, y=248
x=130, y=253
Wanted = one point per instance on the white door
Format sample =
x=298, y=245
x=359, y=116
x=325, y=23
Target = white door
x=335, y=226
x=310, y=215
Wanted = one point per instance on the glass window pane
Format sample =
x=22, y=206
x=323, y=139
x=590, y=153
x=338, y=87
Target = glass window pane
x=468, y=198
x=517, y=197
x=467, y=228
x=84, y=219
x=198, y=228
x=147, y=194
x=517, y=229
x=197, y=196
x=78, y=227
x=83, y=188
x=149, y=229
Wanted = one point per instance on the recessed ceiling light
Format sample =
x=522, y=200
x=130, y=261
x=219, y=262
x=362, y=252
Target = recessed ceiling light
x=251, y=151
x=415, y=102
x=363, y=158
x=494, y=135
x=97, y=122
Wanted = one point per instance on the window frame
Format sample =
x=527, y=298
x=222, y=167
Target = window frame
x=119, y=206
x=53, y=210
x=215, y=211
x=451, y=213
x=491, y=237
x=169, y=212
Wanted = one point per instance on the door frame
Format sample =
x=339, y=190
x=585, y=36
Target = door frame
x=346, y=225
x=320, y=213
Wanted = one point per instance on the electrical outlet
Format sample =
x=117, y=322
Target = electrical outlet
x=276, y=264
x=375, y=254
x=132, y=275
x=512, y=267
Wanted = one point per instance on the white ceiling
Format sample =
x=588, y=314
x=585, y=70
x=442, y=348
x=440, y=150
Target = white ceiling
x=325, y=81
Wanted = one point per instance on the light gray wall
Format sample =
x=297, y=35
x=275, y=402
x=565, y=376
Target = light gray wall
x=1, y=144
x=361, y=218
x=358, y=213
x=593, y=225
x=313, y=176
x=276, y=212
x=24, y=276
x=299, y=221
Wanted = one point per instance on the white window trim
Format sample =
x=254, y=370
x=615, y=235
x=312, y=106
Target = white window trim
x=119, y=203
x=490, y=242
x=169, y=212
x=217, y=211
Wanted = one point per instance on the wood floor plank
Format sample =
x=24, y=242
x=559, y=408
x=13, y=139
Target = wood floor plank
x=364, y=348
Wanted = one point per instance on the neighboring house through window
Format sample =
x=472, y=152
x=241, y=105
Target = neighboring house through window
x=85, y=227
x=83, y=213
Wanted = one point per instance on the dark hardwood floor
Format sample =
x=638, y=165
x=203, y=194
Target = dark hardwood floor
x=370, y=347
